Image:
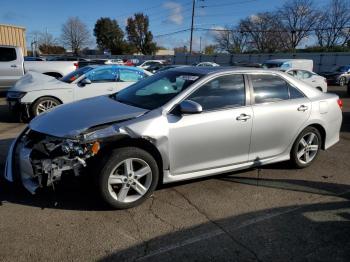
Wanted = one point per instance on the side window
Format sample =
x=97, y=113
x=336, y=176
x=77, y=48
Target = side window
x=294, y=93
x=222, y=92
x=269, y=88
x=7, y=54
x=129, y=75
x=102, y=75
x=301, y=74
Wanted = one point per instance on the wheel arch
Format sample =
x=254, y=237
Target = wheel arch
x=322, y=131
x=141, y=143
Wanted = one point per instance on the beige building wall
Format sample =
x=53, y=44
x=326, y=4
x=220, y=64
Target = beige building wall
x=14, y=36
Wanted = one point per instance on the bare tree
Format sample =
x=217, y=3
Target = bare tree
x=261, y=32
x=231, y=40
x=75, y=34
x=297, y=19
x=332, y=28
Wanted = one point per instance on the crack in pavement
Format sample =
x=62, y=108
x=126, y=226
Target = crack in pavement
x=150, y=209
x=144, y=242
x=218, y=225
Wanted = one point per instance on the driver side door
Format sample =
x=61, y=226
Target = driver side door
x=219, y=136
x=103, y=82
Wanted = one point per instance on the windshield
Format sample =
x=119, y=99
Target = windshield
x=76, y=74
x=157, y=90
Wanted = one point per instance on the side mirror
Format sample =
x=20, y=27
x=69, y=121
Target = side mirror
x=85, y=81
x=190, y=107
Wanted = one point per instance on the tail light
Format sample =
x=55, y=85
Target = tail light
x=325, y=79
x=76, y=65
x=340, y=103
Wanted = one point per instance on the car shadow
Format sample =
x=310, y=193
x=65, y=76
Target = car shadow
x=312, y=232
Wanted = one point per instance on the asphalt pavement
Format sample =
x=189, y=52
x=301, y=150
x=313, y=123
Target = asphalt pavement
x=275, y=213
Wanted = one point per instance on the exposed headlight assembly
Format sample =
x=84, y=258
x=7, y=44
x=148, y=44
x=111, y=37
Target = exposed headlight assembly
x=15, y=94
x=101, y=133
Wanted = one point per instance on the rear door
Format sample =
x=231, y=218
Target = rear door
x=11, y=66
x=103, y=82
x=280, y=110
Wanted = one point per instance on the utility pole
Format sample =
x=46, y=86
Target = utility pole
x=192, y=22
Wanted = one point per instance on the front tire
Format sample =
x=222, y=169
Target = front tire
x=44, y=104
x=129, y=177
x=306, y=147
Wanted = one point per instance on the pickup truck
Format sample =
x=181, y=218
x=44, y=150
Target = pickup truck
x=13, y=66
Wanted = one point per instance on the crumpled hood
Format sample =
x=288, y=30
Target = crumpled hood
x=70, y=120
x=33, y=81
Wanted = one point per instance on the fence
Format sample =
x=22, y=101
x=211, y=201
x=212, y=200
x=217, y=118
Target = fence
x=322, y=61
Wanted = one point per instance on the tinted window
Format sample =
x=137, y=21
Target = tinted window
x=156, y=90
x=75, y=74
x=7, y=54
x=222, y=92
x=269, y=88
x=126, y=75
x=294, y=93
x=101, y=75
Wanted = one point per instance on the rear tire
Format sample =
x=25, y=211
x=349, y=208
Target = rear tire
x=128, y=177
x=43, y=104
x=306, y=147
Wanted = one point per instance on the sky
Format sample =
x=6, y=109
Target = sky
x=165, y=16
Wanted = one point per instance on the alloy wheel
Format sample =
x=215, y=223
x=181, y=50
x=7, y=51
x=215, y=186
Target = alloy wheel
x=307, y=148
x=130, y=180
x=45, y=105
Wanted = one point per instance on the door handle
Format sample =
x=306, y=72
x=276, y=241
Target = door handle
x=110, y=89
x=14, y=66
x=243, y=117
x=302, y=108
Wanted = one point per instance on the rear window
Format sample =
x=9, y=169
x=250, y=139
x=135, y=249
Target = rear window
x=7, y=54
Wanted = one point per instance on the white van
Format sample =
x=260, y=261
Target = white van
x=286, y=64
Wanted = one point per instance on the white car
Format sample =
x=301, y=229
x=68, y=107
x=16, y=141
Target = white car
x=148, y=63
x=207, y=64
x=36, y=93
x=114, y=62
x=311, y=78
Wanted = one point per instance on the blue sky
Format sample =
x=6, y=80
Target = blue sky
x=165, y=15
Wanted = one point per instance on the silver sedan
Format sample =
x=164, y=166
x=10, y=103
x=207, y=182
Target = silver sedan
x=180, y=124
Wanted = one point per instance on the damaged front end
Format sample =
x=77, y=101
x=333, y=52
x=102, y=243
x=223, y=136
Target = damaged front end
x=40, y=160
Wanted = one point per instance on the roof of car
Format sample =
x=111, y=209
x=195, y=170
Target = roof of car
x=117, y=66
x=215, y=69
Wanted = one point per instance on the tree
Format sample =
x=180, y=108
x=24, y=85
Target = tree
x=296, y=19
x=51, y=49
x=231, y=40
x=75, y=35
x=210, y=49
x=48, y=44
x=109, y=35
x=261, y=31
x=331, y=28
x=139, y=35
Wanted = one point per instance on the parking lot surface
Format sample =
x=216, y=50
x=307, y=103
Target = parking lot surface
x=275, y=213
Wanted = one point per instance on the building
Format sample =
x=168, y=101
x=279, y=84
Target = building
x=14, y=36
